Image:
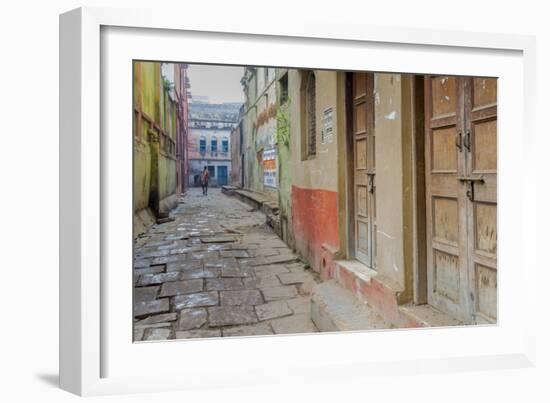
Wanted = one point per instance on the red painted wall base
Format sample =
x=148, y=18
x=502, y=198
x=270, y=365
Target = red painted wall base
x=315, y=225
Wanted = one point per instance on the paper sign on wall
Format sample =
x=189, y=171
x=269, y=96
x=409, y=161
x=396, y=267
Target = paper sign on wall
x=270, y=167
x=327, y=131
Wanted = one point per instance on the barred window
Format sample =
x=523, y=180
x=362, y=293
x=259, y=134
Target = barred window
x=225, y=145
x=214, y=145
x=311, y=117
x=266, y=76
x=202, y=145
x=283, y=89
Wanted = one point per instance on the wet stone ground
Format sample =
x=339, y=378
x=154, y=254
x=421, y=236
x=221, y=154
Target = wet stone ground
x=217, y=270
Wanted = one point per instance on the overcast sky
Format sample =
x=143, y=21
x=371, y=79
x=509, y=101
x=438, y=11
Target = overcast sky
x=218, y=83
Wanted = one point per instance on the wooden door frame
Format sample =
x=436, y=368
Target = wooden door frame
x=350, y=180
x=420, y=244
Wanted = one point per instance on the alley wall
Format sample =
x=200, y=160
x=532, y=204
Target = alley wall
x=314, y=197
x=155, y=130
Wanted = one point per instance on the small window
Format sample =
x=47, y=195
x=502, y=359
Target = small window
x=211, y=171
x=214, y=145
x=283, y=89
x=310, y=115
x=266, y=76
x=202, y=145
x=225, y=145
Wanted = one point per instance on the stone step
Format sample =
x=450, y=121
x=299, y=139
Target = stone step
x=425, y=316
x=369, y=287
x=333, y=308
x=382, y=296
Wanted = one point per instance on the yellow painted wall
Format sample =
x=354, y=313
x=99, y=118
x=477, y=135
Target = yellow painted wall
x=152, y=99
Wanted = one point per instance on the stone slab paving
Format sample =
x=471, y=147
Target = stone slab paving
x=217, y=270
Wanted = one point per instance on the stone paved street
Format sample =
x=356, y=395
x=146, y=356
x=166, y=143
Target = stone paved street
x=217, y=270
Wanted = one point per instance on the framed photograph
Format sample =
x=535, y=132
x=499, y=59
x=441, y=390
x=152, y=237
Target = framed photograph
x=235, y=201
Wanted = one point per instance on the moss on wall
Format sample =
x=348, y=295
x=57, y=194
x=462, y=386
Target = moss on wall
x=146, y=88
x=284, y=174
x=154, y=169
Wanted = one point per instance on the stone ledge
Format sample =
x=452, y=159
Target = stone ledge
x=258, y=201
x=333, y=308
x=143, y=220
x=228, y=190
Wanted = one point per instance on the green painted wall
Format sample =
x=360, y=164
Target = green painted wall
x=148, y=87
x=284, y=174
x=142, y=170
x=154, y=168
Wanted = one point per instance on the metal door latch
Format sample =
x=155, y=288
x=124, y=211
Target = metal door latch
x=370, y=188
x=471, y=181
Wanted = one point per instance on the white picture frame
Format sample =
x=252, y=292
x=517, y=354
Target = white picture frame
x=97, y=355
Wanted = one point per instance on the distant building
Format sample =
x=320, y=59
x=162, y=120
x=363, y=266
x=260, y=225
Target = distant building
x=209, y=145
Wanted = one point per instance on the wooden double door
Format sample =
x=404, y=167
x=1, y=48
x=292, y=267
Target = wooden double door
x=461, y=193
x=363, y=175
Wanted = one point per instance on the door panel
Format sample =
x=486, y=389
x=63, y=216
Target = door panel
x=461, y=191
x=481, y=126
x=363, y=167
x=446, y=220
x=444, y=99
x=444, y=156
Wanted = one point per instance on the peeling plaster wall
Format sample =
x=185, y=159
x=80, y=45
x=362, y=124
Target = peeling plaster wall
x=260, y=128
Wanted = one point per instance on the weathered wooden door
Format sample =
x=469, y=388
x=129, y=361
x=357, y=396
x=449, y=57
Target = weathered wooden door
x=364, y=185
x=480, y=147
x=461, y=195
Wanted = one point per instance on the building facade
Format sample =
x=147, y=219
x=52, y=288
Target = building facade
x=259, y=121
x=265, y=140
x=387, y=184
x=182, y=171
x=209, y=143
x=159, y=139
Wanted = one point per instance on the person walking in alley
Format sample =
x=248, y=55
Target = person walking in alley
x=204, y=180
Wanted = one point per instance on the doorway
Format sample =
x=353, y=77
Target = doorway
x=461, y=196
x=222, y=175
x=361, y=169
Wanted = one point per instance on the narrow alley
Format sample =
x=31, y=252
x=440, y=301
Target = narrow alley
x=337, y=200
x=218, y=270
